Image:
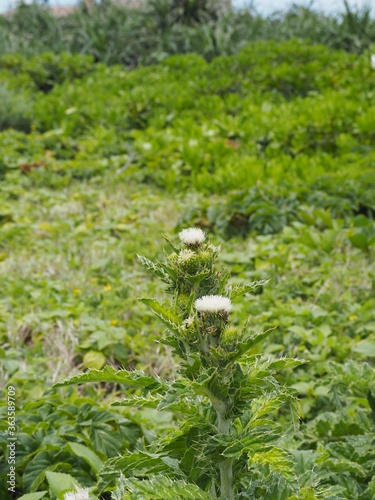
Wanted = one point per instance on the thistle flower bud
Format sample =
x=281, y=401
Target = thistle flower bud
x=205, y=257
x=172, y=258
x=213, y=304
x=188, y=260
x=192, y=237
x=229, y=338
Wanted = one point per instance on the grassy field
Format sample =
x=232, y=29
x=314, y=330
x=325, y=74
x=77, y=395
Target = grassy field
x=270, y=151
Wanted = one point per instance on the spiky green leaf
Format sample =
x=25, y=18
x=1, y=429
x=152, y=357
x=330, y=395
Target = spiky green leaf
x=136, y=378
x=164, y=488
x=166, y=316
x=239, y=290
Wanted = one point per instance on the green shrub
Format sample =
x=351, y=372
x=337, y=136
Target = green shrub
x=16, y=110
x=48, y=69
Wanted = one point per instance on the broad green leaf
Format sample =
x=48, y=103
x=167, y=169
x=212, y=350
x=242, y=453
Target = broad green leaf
x=35, y=470
x=84, y=452
x=94, y=359
x=359, y=240
x=367, y=348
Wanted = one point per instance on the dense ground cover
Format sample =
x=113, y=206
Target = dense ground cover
x=271, y=151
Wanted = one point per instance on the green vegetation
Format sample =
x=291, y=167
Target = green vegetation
x=116, y=34
x=270, y=149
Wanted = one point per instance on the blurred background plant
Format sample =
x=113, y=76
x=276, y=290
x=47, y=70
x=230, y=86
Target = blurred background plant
x=115, y=33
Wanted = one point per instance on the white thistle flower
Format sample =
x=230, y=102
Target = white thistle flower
x=192, y=236
x=80, y=494
x=213, y=304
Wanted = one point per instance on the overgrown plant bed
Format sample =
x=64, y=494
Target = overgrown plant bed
x=271, y=150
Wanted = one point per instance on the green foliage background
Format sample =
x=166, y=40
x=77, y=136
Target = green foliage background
x=271, y=150
x=114, y=33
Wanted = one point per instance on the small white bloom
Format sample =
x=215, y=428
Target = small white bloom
x=213, y=304
x=188, y=323
x=80, y=494
x=373, y=61
x=192, y=236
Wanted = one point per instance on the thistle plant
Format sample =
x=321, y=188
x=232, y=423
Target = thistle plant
x=226, y=443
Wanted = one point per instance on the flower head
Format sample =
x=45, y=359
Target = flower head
x=213, y=304
x=192, y=236
x=79, y=494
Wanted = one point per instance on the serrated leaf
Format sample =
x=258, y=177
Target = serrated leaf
x=148, y=401
x=282, y=363
x=155, y=268
x=165, y=315
x=164, y=488
x=135, y=378
x=60, y=482
x=141, y=463
x=239, y=290
x=257, y=440
x=275, y=458
x=248, y=343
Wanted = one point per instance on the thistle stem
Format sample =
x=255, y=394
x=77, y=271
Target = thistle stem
x=226, y=479
x=226, y=469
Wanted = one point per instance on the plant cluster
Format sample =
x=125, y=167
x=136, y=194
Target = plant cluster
x=225, y=397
